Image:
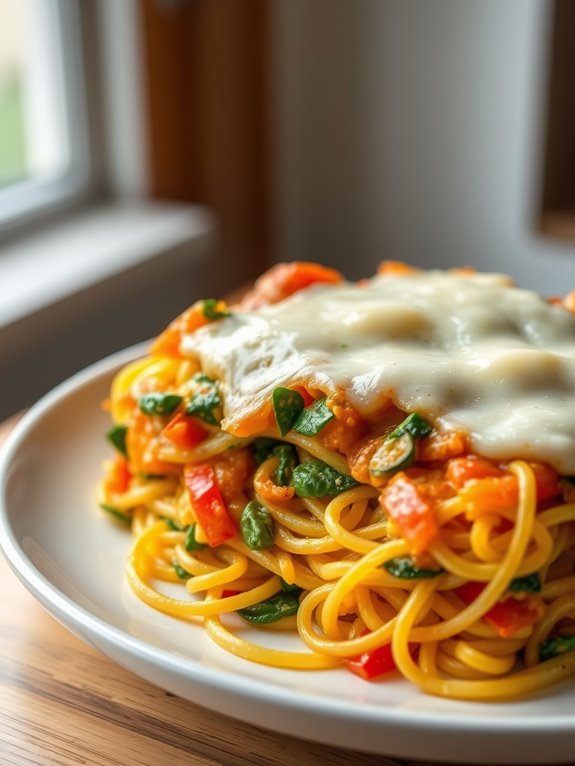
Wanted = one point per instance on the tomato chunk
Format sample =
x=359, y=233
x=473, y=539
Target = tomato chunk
x=208, y=504
x=285, y=279
x=185, y=432
x=411, y=511
x=507, y=617
x=119, y=477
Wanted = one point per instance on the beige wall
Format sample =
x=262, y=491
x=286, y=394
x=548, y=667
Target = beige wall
x=411, y=129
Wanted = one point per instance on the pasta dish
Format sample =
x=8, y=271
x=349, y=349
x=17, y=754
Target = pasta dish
x=384, y=467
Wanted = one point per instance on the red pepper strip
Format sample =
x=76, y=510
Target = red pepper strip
x=373, y=663
x=230, y=593
x=507, y=617
x=208, y=504
x=120, y=476
x=411, y=511
x=185, y=432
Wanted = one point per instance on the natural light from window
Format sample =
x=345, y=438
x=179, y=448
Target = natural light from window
x=34, y=135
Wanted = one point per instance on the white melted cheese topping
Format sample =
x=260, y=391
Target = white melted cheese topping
x=470, y=353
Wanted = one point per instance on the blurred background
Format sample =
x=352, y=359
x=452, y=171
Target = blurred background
x=156, y=151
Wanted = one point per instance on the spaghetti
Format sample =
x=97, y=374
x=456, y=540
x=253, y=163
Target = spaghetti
x=382, y=467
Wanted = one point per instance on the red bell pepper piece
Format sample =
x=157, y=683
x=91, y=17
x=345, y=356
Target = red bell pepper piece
x=411, y=511
x=507, y=617
x=185, y=432
x=208, y=504
x=373, y=663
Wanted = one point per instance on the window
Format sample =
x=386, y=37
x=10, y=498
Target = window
x=43, y=142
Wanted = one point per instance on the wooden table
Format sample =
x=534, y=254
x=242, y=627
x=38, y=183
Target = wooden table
x=62, y=702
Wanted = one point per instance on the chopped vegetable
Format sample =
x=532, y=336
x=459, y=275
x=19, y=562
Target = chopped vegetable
x=205, y=401
x=213, y=309
x=393, y=455
x=257, y=526
x=207, y=502
x=287, y=405
x=263, y=448
x=143, y=442
x=184, y=431
x=441, y=446
x=159, y=404
x=508, y=616
x=307, y=397
x=528, y=584
x=287, y=461
x=190, y=542
x=289, y=587
x=553, y=647
x=117, y=436
x=173, y=525
x=373, y=663
x=411, y=511
x=313, y=418
x=405, y=569
x=281, y=605
x=117, y=514
x=285, y=279
x=181, y=572
x=318, y=479
x=460, y=470
x=119, y=476
x=413, y=424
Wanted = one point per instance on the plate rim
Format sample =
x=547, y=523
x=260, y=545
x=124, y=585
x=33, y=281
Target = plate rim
x=56, y=602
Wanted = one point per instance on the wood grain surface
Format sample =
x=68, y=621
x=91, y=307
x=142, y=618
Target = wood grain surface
x=62, y=702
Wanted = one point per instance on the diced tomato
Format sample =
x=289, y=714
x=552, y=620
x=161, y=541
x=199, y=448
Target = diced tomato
x=208, y=504
x=506, y=617
x=142, y=443
x=547, y=480
x=462, y=469
x=441, y=446
x=185, y=432
x=373, y=663
x=411, y=511
x=119, y=478
x=230, y=593
x=284, y=280
x=232, y=469
x=494, y=494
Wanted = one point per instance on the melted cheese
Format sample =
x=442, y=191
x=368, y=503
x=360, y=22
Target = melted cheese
x=470, y=353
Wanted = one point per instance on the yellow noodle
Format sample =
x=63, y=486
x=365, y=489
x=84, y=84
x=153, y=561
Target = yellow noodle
x=334, y=549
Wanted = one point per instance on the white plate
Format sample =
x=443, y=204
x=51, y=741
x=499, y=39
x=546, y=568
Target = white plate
x=71, y=557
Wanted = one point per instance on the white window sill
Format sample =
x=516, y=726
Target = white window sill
x=92, y=247
x=102, y=280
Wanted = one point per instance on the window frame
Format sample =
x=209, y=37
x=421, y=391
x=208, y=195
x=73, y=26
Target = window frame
x=36, y=199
